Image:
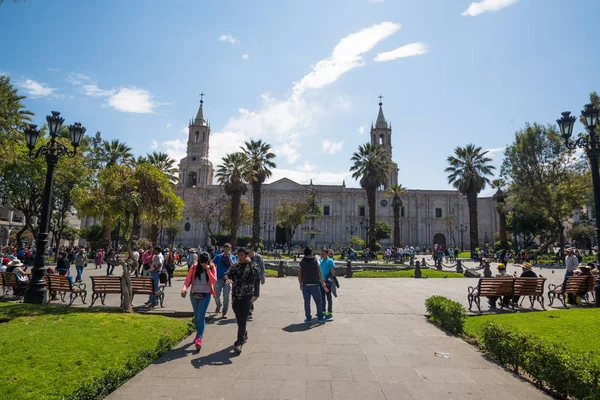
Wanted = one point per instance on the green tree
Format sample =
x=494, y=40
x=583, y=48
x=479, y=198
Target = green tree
x=371, y=167
x=70, y=234
x=383, y=230
x=13, y=119
x=232, y=174
x=114, y=152
x=165, y=163
x=356, y=241
x=544, y=179
x=245, y=217
x=289, y=215
x=468, y=172
x=395, y=191
x=582, y=234
x=500, y=198
x=259, y=169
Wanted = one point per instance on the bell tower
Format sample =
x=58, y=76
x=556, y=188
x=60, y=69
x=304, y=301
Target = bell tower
x=381, y=135
x=195, y=169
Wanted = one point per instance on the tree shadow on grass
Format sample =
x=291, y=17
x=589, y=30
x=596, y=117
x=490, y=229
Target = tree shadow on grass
x=15, y=310
x=221, y=357
x=302, y=327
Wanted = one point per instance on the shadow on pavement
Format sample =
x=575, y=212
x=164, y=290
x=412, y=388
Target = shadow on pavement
x=221, y=357
x=302, y=327
x=226, y=321
x=175, y=354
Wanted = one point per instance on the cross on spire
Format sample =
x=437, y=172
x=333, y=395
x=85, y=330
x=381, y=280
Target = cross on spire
x=380, y=103
x=201, y=97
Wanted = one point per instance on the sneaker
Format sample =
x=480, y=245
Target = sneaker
x=237, y=348
x=328, y=315
x=218, y=310
x=198, y=343
x=245, y=338
x=308, y=320
x=224, y=316
x=250, y=317
x=322, y=319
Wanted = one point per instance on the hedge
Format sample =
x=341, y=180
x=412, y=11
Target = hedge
x=447, y=313
x=553, y=366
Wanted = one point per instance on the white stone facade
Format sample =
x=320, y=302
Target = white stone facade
x=422, y=216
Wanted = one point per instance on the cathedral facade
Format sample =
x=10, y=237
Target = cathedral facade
x=427, y=217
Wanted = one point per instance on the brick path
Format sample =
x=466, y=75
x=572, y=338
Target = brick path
x=378, y=346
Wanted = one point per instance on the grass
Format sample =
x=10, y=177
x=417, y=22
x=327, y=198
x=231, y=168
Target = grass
x=576, y=328
x=427, y=273
x=48, y=351
x=464, y=254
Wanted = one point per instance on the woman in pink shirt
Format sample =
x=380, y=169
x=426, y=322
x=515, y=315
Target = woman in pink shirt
x=201, y=278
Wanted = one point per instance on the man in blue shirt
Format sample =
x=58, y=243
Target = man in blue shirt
x=223, y=261
x=328, y=272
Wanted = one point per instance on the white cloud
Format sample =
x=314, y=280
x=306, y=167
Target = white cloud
x=175, y=149
x=318, y=177
x=154, y=144
x=376, y=1
x=410, y=50
x=169, y=125
x=483, y=6
x=361, y=129
x=245, y=57
x=94, y=91
x=36, y=89
x=78, y=78
x=345, y=56
x=495, y=150
x=229, y=38
x=132, y=100
x=332, y=147
x=307, y=167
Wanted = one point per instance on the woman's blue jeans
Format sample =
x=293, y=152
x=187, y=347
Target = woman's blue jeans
x=79, y=269
x=109, y=269
x=155, y=277
x=200, y=307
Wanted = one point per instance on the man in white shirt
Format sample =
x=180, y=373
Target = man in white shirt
x=571, y=262
x=135, y=254
x=155, y=269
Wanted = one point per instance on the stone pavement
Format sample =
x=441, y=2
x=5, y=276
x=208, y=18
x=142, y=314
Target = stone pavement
x=378, y=346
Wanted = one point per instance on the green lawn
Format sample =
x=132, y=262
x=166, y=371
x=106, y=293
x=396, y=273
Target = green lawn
x=48, y=351
x=427, y=273
x=577, y=328
x=464, y=254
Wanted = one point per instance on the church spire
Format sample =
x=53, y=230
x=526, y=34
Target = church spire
x=199, y=120
x=380, y=123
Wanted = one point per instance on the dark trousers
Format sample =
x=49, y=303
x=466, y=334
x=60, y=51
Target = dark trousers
x=312, y=291
x=326, y=295
x=241, y=307
x=170, y=274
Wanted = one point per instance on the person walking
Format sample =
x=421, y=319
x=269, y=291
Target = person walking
x=80, y=263
x=310, y=280
x=201, y=277
x=258, y=260
x=147, y=261
x=62, y=264
x=110, y=268
x=328, y=273
x=223, y=262
x=170, y=263
x=242, y=276
x=99, y=258
x=156, y=268
x=135, y=256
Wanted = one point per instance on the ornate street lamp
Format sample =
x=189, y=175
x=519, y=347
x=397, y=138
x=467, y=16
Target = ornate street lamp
x=463, y=229
x=36, y=292
x=589, y=143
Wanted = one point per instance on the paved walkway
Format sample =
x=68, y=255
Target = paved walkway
x=378, y=346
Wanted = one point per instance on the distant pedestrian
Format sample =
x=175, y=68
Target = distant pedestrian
x=80, y=263
x=201, y=278
x=223, y=262
x=158, y=263
x=258, y=260
x=147, y=261
x=99, y=258
x=328, y=273
x=110, y=267
x=311, y=280
x=242, y=276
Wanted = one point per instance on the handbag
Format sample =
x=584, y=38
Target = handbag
x=163, y=278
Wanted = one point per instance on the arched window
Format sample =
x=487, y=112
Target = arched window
x=192, y=179
x=187, y=227
x=197, y=137
x=381, y=139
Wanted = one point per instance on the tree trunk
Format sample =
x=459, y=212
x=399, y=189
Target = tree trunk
x=256, y=195
x=503, y=237
x=235, y=217
x=397, y=225
x=19, y=235
x=371, y=199
x=561, y=233
x=105, y=242
x=154, y=234
x=473, y=228
x=136, y=227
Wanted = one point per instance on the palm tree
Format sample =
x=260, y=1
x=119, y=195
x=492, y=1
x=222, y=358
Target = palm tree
x=395, y=191
x=259, y=169
x=500, y=197
x=166, y=164
x=115, y=152
x=372, y=165
x=232, y=174
x=468, y=172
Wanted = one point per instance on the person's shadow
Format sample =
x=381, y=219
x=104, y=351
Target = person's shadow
x=175, y=354
x=221, y=357
x=303, y=327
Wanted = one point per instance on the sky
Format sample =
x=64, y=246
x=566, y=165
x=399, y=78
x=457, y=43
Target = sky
x=305, y=76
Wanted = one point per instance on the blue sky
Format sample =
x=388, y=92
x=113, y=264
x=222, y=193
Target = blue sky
x=305, y=75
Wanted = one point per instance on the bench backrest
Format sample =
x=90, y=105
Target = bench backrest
x=9, y=279
x=529, y=286
x=106, y=284
x=59, y=283
x=142, y=285
x=495, y=286
x=582, y=283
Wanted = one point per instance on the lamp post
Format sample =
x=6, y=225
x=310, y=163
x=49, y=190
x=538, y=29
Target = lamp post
x=352, y=229
x=270, y=230
x=36, y=292
x=364, y=224
x=463, y=229
x=589, y=143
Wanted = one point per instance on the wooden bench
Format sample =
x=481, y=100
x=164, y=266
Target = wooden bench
x=103, y=285
x=61, y=285
x=530, y=287
x=490, y=287
x=574, y=284
x=8, y=280
x=145, y=285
